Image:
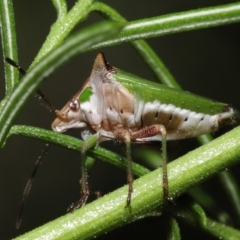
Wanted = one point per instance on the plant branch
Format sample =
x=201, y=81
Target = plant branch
x=9, y=43
x=176, y=22
x=63, y=26
x=109, y=211
x=75, y=144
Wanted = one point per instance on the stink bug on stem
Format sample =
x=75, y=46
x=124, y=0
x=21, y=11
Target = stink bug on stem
x=116, y=106
x=120, y=106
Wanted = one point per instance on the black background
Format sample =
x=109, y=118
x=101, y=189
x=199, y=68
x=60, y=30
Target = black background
x=205, y=62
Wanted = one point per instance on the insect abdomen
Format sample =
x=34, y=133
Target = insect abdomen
x=180, y=123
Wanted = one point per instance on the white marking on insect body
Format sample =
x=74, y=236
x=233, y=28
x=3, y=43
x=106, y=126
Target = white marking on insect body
x=180, y=123
x=149, y=112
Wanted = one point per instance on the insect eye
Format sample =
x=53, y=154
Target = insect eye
x=74, y=104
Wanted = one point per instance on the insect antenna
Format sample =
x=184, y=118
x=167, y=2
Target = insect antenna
x=39, y=92
x=41, y=157
x=29, y=185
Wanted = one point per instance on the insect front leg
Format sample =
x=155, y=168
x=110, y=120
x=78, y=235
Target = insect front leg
x=151, y=131
x=87, y=144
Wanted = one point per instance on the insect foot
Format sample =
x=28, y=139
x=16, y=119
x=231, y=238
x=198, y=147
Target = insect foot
x=80, y=203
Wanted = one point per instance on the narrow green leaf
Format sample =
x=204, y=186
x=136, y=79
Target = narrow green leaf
x=188, y=210
x=232, y=191
x=64, y=25
x=210, y=204
x=221, y=231
x=155, y=63
x=9, y=43
x=142, y=47
x=75, y=144
x=61, y=7
x=192, y=213
x=174, y=232
x=109, y=211
x=176, y=22
x=107, y=11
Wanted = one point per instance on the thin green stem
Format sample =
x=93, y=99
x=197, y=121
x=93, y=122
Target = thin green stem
x=9, y=43
x=75, y=144
x=142, y=47
x=63, y=26
x=232, y=190
x=61, y=7
x=109, y=211
x=209, y=204
x=177, y=22
x=155, y=63
x=107, y=11
x=192, y=213
x=174, y=230
x=220, y=230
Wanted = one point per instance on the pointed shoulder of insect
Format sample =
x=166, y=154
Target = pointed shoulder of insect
x=148, y=91
x=99, y=63
x=100, y=66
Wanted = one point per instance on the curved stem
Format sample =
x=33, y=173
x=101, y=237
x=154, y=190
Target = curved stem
x=9, y=43
x=108, y=212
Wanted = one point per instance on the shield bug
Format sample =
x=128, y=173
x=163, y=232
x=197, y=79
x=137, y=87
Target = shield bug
x=120, y=106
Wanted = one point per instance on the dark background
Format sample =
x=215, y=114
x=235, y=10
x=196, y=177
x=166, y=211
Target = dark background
x=205, y=62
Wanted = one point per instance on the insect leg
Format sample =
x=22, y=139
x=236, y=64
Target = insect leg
x=87, y=144
x=29, y=185
x=129, y=172
x=40, y=159
x=150, y=131
x=126, y=137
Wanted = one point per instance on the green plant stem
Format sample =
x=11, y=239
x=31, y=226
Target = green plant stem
x=210, y=204
x=9, y=44
x=177, y=22
x=61, y=7
x=192, y=214
x=231, y=188
x=75, y=144
x=108, y=212
x=174, y=230
x=142, y=47
x=221, y=231
x=63, y=26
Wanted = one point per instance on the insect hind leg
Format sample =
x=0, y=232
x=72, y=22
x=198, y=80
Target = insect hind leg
x=29, y=185
x=151, y=131
x=130, y=178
